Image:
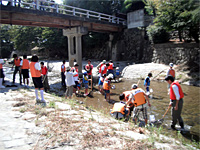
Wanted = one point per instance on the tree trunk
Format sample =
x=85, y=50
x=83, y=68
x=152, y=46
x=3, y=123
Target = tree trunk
x=179, y=35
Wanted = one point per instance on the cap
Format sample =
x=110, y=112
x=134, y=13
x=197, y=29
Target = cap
x=134, y=86
x=110, y=76
x=117, y=67
x=85, y=72
x=76, y=65
x=169, y=77
x=68, y=68
x=171, y=64
x=104, y=61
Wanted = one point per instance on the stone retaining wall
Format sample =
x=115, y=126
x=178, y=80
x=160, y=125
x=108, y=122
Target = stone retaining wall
x=176, y=53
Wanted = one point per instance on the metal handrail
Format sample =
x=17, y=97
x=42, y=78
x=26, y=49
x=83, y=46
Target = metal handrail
x=65, y=9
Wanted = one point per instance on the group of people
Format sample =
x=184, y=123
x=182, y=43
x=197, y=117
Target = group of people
x=137, y=100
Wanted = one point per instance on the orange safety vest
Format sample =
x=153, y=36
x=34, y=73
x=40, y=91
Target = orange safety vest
x=118, y=107
x=25, y=64
x=172, y=95
x=17, y=62
x=139, y=97
x=63, y=69
x=110, y=67
x=1, y=66
x=172, y=72
x=34, y=72
x=106, y=85
x=100, y=67
x=105, y=70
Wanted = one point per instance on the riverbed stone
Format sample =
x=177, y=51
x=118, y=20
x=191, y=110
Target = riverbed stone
x=62, y=106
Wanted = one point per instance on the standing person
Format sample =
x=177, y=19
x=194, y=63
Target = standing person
x=147, y=82
x=69, y=83
x=138, y=99
x=107, y=87
x=100, y=65
x=117, y=74
x=85, y=82
x=63, y=74
x=1, y=74
x=25, y=70
x=176, y=101
x=104, y=69
x=17, y=61
x=100, y=83
x=110, y=69
x=89, y=68
x=171, y=72
x=76, y=77
x=35, y=70
x=45, y=77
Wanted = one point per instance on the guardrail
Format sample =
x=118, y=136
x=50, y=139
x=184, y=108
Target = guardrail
x=51, y=6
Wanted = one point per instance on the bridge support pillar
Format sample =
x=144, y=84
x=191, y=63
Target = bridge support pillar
x=75, y=45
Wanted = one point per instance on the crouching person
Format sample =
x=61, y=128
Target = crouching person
x=120, y=111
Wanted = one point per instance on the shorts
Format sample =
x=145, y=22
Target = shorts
x=25, y=73
x=69, y=91
x=147, y=88
x=100, y=83
x=1, y=73
x=37, y=81
x=86, y=85
x=107, y=91
x=136, y=112
x=76, y=84
x=89, y=76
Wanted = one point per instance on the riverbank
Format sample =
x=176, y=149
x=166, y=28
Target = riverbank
x=69, y=124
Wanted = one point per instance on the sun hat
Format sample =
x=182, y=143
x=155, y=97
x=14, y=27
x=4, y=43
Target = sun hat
x=171, y=64
x=134, y=86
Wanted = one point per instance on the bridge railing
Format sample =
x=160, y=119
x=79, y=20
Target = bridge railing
x=51, y=6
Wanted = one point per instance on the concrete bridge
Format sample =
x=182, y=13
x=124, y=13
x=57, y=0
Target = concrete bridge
x=74, y=21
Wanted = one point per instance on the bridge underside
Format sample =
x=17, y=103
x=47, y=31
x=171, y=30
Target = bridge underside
x=27, y=17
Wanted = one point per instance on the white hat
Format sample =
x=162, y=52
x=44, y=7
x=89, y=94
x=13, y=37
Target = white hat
x=117, y=67
x=104, y=61
x=134, y=86
x=171, y=64
x=110, y=76
x=68, y=68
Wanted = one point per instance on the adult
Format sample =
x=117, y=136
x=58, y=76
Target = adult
x=104, y=69
x=100, y=65
x=110, y=69
x=176, y=101
x=138, y=99
x=25, y=70
x=45, y=77
x=1, y=74
x=36, y=70
x=17, y=61
x=63, y=74
x=69, y=82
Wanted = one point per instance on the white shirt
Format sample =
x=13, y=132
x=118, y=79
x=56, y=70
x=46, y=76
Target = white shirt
x=21, y=62
x=176, y=91
x=69, y=79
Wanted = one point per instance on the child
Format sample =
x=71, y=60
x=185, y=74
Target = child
x=25, y=70
x=107, y=87
x=85, y=82
x=63, y=74
x=100, y=83
x=45, y=77
x=147, y=83
x=117, y=74
x=35, y=70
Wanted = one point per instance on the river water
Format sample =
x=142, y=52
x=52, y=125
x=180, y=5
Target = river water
x=159, y=100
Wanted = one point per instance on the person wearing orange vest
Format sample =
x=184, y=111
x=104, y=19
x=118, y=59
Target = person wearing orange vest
x=137, y=97
x=104, y=69
x=99, y=67
x=17, y=68
x=120, y=111
x=63, y=69
x=176, y=101
x=25, y=70
x=107, y=87
x=45, y=77
x=1, y=74
x=35, y=70
x=110, y=69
